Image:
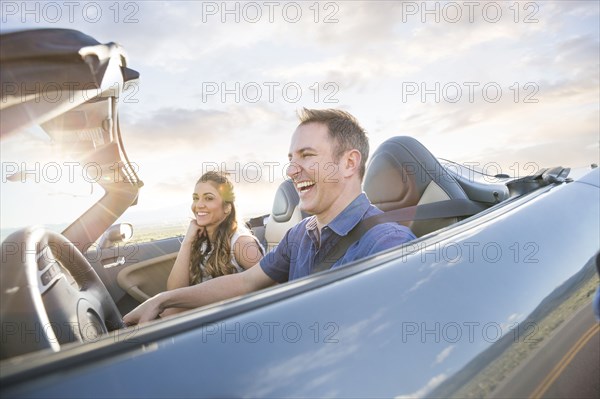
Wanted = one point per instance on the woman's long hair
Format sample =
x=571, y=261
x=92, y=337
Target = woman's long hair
x=215, y=256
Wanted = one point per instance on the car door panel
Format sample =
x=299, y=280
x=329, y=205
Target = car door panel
x=146, y=279
x=156, y=259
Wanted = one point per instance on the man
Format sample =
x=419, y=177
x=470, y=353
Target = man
x=328, y=155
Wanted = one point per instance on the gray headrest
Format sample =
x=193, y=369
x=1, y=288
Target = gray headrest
x=286, y=200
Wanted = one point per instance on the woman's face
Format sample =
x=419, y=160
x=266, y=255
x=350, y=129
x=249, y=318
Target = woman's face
x=208, y=206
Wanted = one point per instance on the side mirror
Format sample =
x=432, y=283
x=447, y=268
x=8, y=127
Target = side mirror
x=116, y=233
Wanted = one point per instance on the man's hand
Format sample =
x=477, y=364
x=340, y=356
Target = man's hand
x=145, y=312
x=211, y=291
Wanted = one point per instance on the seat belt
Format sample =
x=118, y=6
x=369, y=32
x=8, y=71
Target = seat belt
x=435, y=210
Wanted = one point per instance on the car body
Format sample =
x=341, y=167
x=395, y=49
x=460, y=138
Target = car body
x=462, y=311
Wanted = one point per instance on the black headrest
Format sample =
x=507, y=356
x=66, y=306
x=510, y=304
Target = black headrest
x=399, y=172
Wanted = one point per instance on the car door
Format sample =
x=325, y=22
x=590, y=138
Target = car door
x=134, y=272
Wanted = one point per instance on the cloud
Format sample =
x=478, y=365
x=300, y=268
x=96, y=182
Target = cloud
x=325, y=360
x=439, y=359
x=358, y=71
x=200, y=130
x=422, y=392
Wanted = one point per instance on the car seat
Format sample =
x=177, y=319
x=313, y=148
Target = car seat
x=403, y=173
x=284, y=215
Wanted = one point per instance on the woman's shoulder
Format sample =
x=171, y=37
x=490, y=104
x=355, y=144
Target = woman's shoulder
x=245, y=245
x=244, y=236
x=241, y=232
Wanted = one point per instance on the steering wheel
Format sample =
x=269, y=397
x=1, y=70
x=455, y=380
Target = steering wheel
x=50, y=294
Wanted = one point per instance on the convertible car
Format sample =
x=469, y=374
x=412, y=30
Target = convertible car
x=491, y=300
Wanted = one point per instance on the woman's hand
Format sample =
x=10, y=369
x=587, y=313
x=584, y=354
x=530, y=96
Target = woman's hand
x=192, y=232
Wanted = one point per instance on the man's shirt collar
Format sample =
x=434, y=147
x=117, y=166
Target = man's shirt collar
x=347, y=219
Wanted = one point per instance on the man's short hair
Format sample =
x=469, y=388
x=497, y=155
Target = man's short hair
x=343, y=129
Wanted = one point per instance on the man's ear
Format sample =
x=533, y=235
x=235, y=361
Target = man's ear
x=352, y=160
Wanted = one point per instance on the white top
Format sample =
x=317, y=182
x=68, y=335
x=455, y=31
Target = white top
x=238, y=233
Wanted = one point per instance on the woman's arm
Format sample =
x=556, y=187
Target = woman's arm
x=247, y=251
x=180, y=273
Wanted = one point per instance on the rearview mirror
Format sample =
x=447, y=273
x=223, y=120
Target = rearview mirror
x=116, y=233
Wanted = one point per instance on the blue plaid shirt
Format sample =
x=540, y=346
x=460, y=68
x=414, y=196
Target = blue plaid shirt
x=302, y=247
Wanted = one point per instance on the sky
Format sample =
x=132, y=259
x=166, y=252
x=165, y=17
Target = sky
x=509, y=86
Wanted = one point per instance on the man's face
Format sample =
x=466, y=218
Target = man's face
x=313, y=170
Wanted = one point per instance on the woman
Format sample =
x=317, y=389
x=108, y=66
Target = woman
x=213, y=245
